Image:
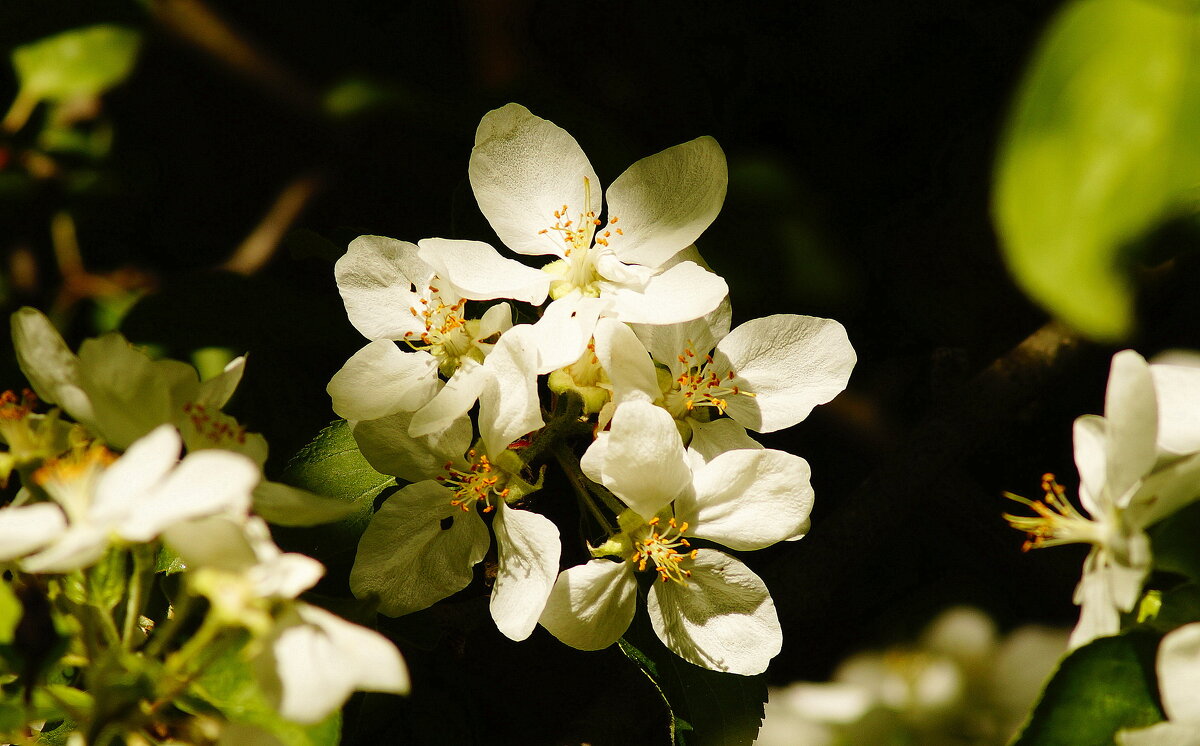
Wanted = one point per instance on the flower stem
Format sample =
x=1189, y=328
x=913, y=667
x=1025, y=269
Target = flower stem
x=570, y=465
x=135, y=597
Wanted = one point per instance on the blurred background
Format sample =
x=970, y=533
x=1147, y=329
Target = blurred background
x=200, y=200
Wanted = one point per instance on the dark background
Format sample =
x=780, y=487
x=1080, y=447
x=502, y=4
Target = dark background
x=860, y=138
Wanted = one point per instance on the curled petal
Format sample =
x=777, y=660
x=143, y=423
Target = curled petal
x=591, y=605
x=529, y=549
x=477, y=272
x=381, y=379
x=681, y=293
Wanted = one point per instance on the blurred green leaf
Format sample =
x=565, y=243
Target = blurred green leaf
x=1103, y=143
x=228, y=685
x=79, y=62
x=1098, y=689
x=706, y=708
x=1174, y=542
x=10, y=613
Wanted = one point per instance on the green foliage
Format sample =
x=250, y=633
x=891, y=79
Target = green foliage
x=228, y=685
x=706, y=708
x=1103, y=143
x=1098, y=690
x=10, y=613
x=1174, y=542
x=80, y=62
x=332, y=466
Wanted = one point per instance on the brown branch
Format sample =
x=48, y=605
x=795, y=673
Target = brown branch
x=258, y=247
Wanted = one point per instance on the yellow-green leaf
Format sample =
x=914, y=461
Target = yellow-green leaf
x=79, y=62
x=1102, y=144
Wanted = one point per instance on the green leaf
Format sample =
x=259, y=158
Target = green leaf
x=1098, y=689
x=332, y=466
x=228, y=685
x=80, y=62
x=10, y=613
x=706, y=708
x=1102, y=144
x=1173, y=540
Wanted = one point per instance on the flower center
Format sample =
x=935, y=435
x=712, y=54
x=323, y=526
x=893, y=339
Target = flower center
x=447, y=333
x=218, y=429
x=71, y=479
x=476, y=484
x=662, y=547
x=576, y=270
x=698, y=386
x=1057, y=521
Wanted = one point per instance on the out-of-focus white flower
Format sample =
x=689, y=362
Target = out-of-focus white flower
x=133, y=498
x=960, y=684
x=709, y=608
x=112, y=387
x=1126, y=484
x=1179, y=689
x=423, y=543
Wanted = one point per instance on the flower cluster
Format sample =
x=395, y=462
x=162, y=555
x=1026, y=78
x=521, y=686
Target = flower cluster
x=480, y=369
x=1138, y=464
x=111, y=491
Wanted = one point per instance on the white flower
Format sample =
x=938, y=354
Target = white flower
x=709, y=608
x=393, y=295
x=539, y=192
x=1179, y=689
x=133, y=498
x=1126, y=485
x=767, y=374
x=315, y=660
x=423, y=543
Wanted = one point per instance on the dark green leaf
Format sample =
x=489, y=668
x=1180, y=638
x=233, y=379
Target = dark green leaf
x=1174, y=542
x=1102, y=145
x=706, y=708
x=1098, y=689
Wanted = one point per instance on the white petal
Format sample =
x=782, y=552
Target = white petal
x=27, y=528
x=591, y=605
x=1090, y=434
x=477, y=272
x=219, y=542
x=563, y=332
x=130, y=393
x=1098, y=614
x=216, y=391
x=529, y=549
x=664, y=202
x=390, y=448
x=644, y=462
x=50, y=366
x=1131, y=408
x=376, y=277
x=723, y=619
x=1161, y=734
x=205, y=483
x=629, y=367
x=381, y=379
x=667, y=341
x=1165, y=491
x=681, y=293
x=82, y=545
x=1178, y=393
x=508, y=405
x=524, y=168
x=144, y=466
x=454, y=400
x=748, y=499
x=1179, y=673
x=317, y=659
x=711, y=439
x=791, y=363
x=407, y=560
